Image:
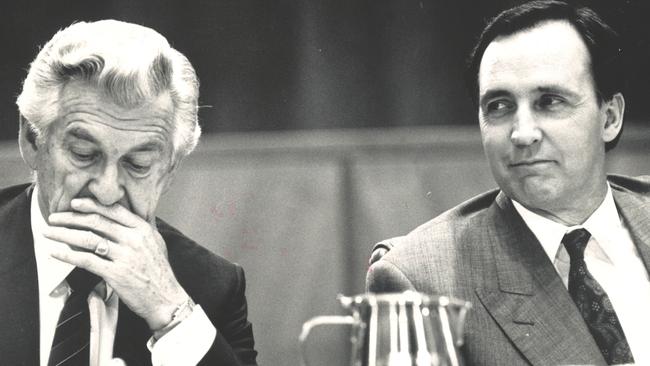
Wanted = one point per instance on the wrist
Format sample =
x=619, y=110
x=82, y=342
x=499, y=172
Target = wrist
x=180, y=313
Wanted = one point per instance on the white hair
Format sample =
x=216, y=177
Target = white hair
x=130, y=63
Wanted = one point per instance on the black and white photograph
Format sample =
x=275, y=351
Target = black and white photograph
x=325, y=182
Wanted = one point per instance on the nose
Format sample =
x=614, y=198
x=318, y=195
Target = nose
x=107, y=186
x=525, y=130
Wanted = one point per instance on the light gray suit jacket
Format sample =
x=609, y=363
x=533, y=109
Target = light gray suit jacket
x=483, y=252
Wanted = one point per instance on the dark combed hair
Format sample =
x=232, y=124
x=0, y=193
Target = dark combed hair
x=602, y=42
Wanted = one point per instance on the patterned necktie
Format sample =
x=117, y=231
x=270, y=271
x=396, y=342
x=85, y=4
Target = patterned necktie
x=593, y=303
x=72, y=337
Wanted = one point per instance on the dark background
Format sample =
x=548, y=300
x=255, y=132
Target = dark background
x=285, y=65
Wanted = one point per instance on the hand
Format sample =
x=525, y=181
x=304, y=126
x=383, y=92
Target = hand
x=136, y=265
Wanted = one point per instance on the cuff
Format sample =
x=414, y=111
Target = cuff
x=186, y=343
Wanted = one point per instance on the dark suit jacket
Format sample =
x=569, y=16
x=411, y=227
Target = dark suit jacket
x=213, y=282
x=483, y=252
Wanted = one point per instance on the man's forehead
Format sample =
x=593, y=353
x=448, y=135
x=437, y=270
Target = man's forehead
x=546, y=39
x=551, y=51
x=88, y=112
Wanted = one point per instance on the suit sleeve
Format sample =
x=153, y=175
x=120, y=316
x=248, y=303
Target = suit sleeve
x=384, y=276
x=234, y=344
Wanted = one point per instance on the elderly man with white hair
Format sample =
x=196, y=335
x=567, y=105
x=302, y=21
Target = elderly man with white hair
x=88, y=274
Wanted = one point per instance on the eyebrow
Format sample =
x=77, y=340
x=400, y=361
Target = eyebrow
x=149, y=146
x=552, y=89
x=491, y=94
x=82, y=134
x=556, y=89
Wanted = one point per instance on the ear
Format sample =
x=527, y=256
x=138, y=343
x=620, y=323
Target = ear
x=614, y=110
x=27, y=143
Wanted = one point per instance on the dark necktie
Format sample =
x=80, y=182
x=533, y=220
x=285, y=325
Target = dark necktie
x=72, y=337
x=593, y=303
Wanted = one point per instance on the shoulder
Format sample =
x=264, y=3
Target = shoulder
x=436, y=256
x=14, y=206
x=200, y=271
x=447, y=238
x=11, y=193
x=448, y=227
x=460, y=216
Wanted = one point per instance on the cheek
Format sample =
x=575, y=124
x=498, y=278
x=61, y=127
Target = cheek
x=60, y=183
x=580, y=146
x=144, y=195
x=495, y=144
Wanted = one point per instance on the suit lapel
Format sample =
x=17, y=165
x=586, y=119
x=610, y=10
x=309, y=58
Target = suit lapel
x=531, y=305
x=19, y=333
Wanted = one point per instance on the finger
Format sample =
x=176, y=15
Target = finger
x=89, y=221
x=115, y=212
x=85, y=260
x=85, y=241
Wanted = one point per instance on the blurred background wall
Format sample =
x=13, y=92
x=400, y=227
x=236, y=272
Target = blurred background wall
x=329, y=125
x=300, y=211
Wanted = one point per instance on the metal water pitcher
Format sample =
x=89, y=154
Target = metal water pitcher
x=400, y=329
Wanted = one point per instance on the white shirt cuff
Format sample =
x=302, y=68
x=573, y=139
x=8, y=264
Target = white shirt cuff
x=186, y=343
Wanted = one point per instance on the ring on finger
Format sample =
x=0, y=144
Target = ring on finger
x=102, y=249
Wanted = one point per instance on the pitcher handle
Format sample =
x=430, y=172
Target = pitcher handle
x=460, y=324
x=317, y=321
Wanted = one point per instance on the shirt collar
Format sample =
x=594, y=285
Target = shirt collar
x=51, y=271
x=605, y=221
x=550, y=233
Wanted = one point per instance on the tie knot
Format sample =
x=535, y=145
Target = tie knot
x=575, y=243
x=82, y=281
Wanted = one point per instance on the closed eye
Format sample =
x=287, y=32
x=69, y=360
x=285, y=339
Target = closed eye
x=83, y=156
x=138, y=169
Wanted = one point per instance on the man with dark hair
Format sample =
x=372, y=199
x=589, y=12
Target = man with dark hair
x=601, y=40
x=555, y=260
x=88, y=274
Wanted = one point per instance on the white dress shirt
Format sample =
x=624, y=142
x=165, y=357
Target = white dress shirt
x=612, y=259
x=185, y=344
